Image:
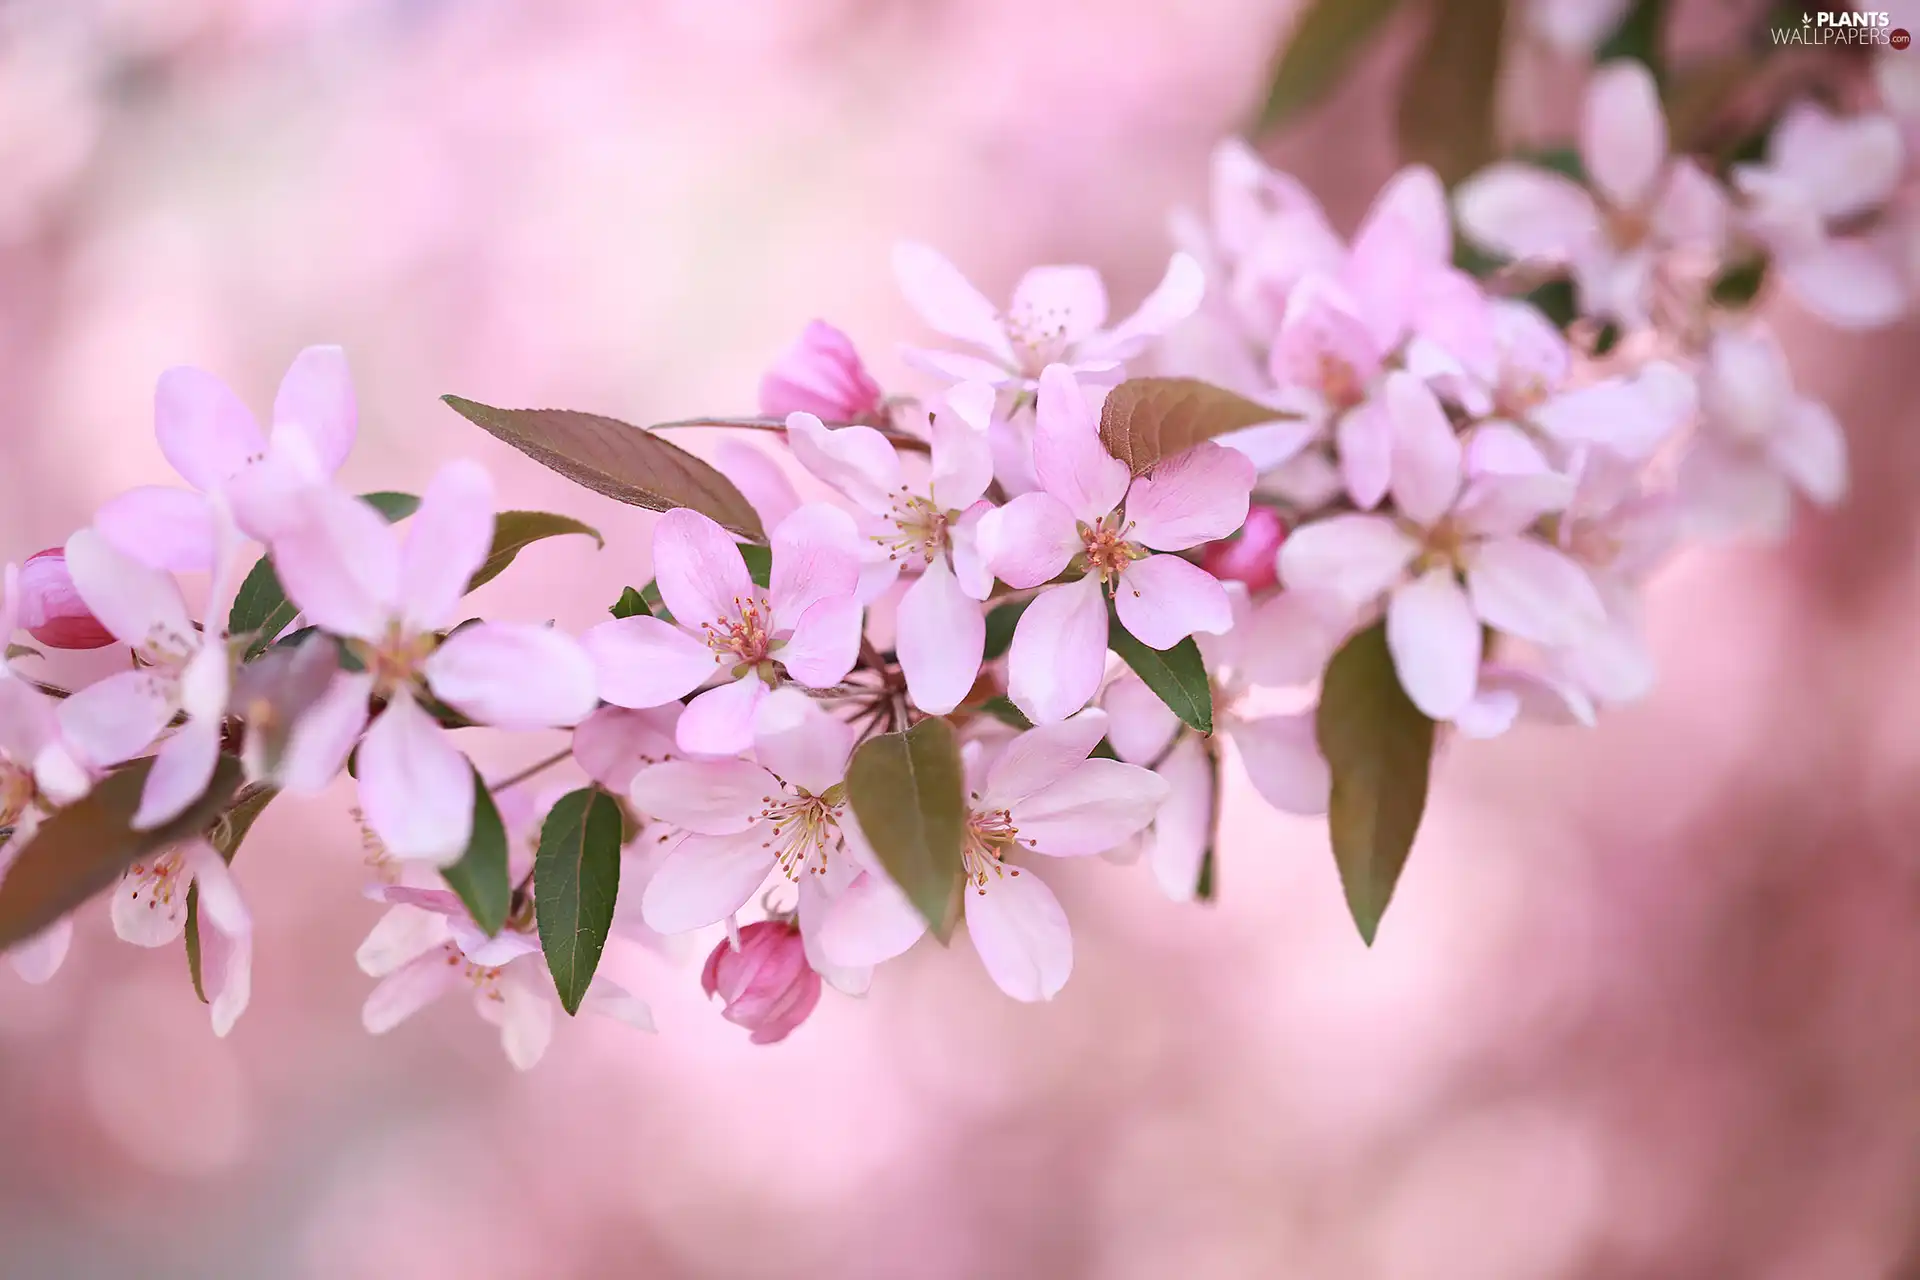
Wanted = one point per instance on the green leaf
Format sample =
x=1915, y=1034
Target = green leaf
x=82, y=848
x=1739, y=285
x=1319, y=49
x=1446, y=112
x=261, y=608
x=1564, y=161
x=650, y=597
x=1001, y=708
x=631, y=604
x=1556, y=300
x=909, y=791
x=1640, y=37
x=617, y=459
x=1001, y=620
x=1177, y=675
x=576, y=881
x=759, y=563
x=1147, y=419
x=228, y=833
x=515, y=531
x=1379, y=748
x=480, y=877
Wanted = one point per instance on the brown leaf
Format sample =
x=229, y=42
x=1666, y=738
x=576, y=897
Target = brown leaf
x=1147, y=419
x=1447, y=101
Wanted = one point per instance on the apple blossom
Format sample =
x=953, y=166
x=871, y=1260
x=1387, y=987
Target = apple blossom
x=1092, y=516
x=51, y=610
x=764, y=980
x=150, y=910
x=1248, y=556
x=821, y=374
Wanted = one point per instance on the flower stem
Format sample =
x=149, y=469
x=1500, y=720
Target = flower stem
x=541, y=766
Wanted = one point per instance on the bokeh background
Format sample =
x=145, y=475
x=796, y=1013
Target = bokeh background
x=1648, y=1002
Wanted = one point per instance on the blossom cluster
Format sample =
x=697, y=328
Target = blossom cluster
x=891, y=666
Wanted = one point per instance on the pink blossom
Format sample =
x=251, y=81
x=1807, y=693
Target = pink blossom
x=1056, y=317
x=764, y=980
x=51, y=610
x=35, y=759
x=1759, y=441
x=925, y=526
x=38, y=958
x=1248, y=557
x=1647, y=209
x=1449, y=527
x=388, y=595
x=149, y=909
x=1077, y=519
x=804, y=626
x=615, y=743
x=213, y=441
x=1040, y=794
x=185, y=670
x=821, y=374
x=1822, y=171
x=1574, y=27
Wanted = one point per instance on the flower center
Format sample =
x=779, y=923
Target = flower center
x=1519, y=396
x=395, y=659
x=1628, y=228
x=1107, y=549
x=919, y=528
x=991, y=836
x=1039, y=337
x=746, y=639
x=1444, y=547
x=804, y=828
x=1340, y=383
x=161, y=879
x=485, y=980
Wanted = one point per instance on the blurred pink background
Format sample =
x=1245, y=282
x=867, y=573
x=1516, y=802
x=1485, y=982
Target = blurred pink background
x=1645, y=1005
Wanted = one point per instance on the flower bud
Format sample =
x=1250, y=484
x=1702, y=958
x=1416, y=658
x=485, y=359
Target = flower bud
x=1249, y=557
x=821, y=374
x=767, y=984
x=51, y=610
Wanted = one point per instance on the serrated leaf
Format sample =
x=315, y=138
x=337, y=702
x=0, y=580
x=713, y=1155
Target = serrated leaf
x=1319, y=49
x=1177, y=676
x=1147, y=419
x=576, y=882
x=261, y=608
x=227, y=835
x=909, y=791
x=82, y=848
x=617, y=459
x=631, y=604
x=1379, y=748
x=480, y=878
x=515, y=531
x=1446, y=112
x=1001, y=621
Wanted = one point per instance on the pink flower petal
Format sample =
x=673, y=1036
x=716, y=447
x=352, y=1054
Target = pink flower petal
x=1021, y=934
x=1040, y=757
x=1095, y=806
x=169, y=529
x=514, y=676
x=759, y=479
x=816, y=556
x=820, y=374
x=941, y=636
x=1522, y=212
x=1068, y=458
x=447, y=542
x=706, y=879
x=203, y=428
x=525, y=1019
x=935, y=289
x=803, y=745
x=1527, y=589
x=1426, y=453
x=709, y=797
x=869, y=924
x=1068, y=303
x=1174, y=299
x=1435, y=639
x=1283, y=761
x=38, y=958
x=720, y=721
x=1324, y=344
x=1623, y=135
x=613, y=744
x=1365, y=439
x=181, y=771
x=824, y=644
x=644, y=662
x=405, y=933
x=1848, y=283
x=415, y=787
x=1163, y=599
x=221, y=907
x=1028, y=541
x=339, y=562
x=962, y=463
x=316, y=399
x=1290, y=637
x=1355, y=557
x=411, y=988
x=136, y=602
x=698, y=568
x=1059, y=651
x=1183, y=828
x=115, y=719
x=324, y=736
x=1142, y=726
x=1193, y=497
x=1811, y=450
x=856, y=460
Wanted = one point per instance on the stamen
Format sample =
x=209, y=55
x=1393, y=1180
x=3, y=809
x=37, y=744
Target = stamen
x=802, y=829
x=745, y=641
x=991, y=835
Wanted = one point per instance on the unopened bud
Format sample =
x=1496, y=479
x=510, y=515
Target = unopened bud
x=821, y=374
x=51, y=610
x=766, y=983
x=1251, y=556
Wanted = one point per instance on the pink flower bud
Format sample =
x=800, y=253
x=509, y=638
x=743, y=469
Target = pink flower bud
x=768, y=986
x=821, y=374
x=1249, y=557
x=51, y=610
